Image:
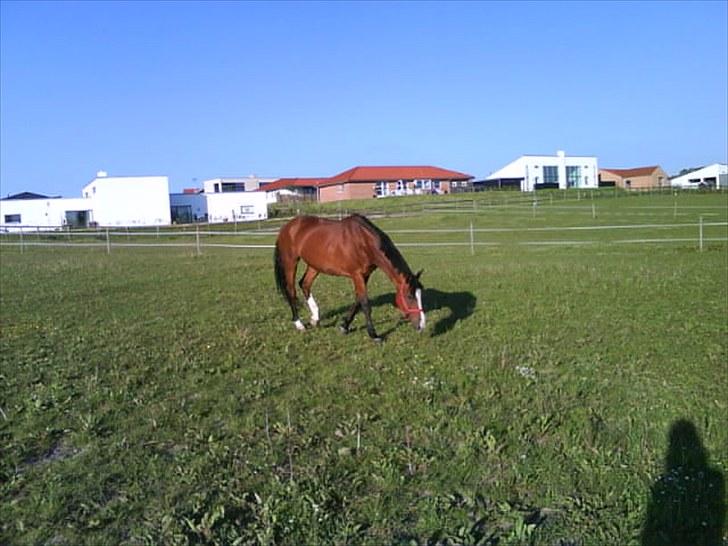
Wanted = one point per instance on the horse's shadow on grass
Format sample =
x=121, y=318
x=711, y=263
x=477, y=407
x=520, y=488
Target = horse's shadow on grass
x=460, y=304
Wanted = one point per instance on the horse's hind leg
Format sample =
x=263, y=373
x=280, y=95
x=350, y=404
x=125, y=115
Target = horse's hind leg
x=305, y=283
x=289, y=262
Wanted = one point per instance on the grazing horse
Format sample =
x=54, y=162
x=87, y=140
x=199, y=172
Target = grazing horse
x=353, y=247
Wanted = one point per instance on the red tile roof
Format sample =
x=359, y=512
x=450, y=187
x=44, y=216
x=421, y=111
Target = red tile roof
x=370, y=174
x=283, y=183
x=637, y=171
x=375, y=174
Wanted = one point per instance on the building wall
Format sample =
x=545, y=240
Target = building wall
x=341, y=192
x=251, y=183
x=129, y=200
x=658, y=178
x=532, y=169
x=43, y=214
x=639, y=182
x=223, y=207
x=237, y=206
x=368, y=190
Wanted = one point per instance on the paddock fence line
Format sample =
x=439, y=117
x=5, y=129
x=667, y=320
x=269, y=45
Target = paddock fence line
x=467, y=236
x=469, y=201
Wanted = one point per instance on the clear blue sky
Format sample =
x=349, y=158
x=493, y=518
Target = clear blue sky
x=202, y=90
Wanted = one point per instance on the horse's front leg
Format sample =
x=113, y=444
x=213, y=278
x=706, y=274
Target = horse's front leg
x=346, y=322
x=360, y=286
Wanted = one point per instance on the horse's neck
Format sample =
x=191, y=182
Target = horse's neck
x=397, y=277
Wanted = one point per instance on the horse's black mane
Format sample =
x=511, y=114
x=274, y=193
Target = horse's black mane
x=389, y=250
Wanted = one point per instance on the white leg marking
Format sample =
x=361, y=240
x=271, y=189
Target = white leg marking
x=418, y=294
x=313, y=306
x=299, y=325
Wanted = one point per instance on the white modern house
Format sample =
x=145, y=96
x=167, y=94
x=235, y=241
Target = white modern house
x=128, y=200
x=42, y=213
x=713, y=176
x=532, y=172
x=230, y=206
x=106, y=201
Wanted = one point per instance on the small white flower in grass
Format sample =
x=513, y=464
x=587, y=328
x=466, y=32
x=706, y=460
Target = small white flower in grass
x=526, y=371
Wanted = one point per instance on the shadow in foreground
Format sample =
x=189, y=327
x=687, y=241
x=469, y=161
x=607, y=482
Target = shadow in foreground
x=687, y=503
x=460, y=304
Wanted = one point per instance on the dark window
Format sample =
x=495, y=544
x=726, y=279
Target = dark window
x=12, y=218
x=233, y=186
x=550, y=174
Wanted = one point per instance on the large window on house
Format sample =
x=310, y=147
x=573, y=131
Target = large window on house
x=12, y=218
x=550, y=174
x=573, y=176
x=233, y=186
x=381, y=188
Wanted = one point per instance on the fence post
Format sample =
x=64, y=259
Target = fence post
x=197, y=238
x=701, y=233
x=22, y=249
x=472, y=240
x=108, y=242
x=594, y=211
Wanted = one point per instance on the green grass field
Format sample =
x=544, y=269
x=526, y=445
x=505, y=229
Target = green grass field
x=157, y=396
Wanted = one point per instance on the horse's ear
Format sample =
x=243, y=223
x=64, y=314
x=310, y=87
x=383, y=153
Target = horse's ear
x=417, y=275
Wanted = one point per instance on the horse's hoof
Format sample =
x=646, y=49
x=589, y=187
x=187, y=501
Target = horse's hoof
x=299, y=325
x=378, y=340
x=314, y=323
x=343, y=329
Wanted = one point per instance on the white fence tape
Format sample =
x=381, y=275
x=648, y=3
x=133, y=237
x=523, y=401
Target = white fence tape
x=199, y=239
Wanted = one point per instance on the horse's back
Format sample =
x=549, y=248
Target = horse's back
x=331, y=246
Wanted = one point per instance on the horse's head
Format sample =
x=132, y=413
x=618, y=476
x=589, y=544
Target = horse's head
x=409, y=300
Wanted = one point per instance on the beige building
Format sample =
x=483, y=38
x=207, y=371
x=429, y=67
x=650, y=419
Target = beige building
x=636, y=178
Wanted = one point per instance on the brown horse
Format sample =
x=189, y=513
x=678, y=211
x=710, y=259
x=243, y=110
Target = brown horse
x=353, y=247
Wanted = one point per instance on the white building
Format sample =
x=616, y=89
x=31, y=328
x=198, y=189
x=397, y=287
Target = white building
x=236, y=184
x=713, y=176
x=43, y=213
x=532, y=172
x=110, y=201
x=231, y=206
x=128, y=200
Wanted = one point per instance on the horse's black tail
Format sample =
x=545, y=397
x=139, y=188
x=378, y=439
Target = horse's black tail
x=280, y=272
